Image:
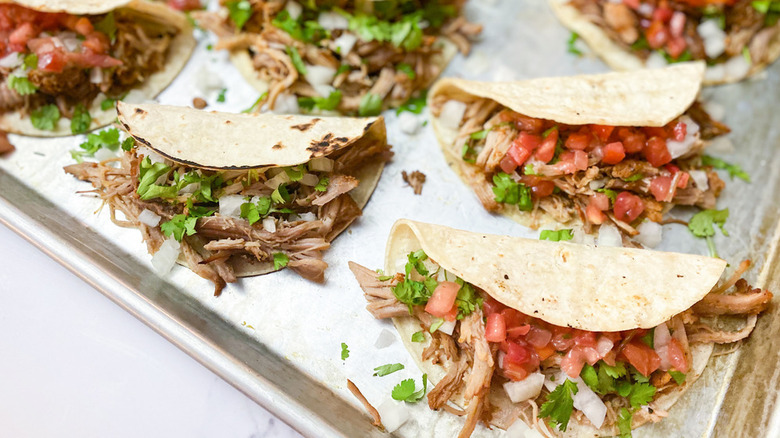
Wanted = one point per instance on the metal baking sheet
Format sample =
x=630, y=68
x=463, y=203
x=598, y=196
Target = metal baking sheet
x=277, y=337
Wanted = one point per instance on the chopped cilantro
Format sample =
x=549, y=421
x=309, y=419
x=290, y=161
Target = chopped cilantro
x=634, y=177
x=479, y=135
x=683, y=57
x=406, y=69
x=746, y=55
x=45, y=118
x=508, y=191
x=221, y=95
x=81, y=120
x=296, y=59
x=624, y=423
x=239, y=11
x=641, y=394
x=701, y=225
x=467, y=299
x=385, y=277
x=467, y=153
x=295, y=173
x=415, y=105
x=128, y=144
x=405, y=391
x=250, y=213
x=616, y=372
x=310, y=31
x=590, y=377
x=529, y=170
x=148, y=173
x=640, y=44
x=677, y=376
x=322, y=185
x=437, y=322
x=181, y=224
x=390, y=368
x=559, y=405
x=370, y=105
x=30, y=61
x=556, y=236
x=733, y=169
x=108, y=139
x=281, y=195
x=329, y=103
x=570, y=47
x=107, y=104
x=107, y=25
x=404, y=33
x=343, y=68
x=611, y=194
x=649, y=339
x=280, y=260
x=418, y=336
x=21, y=85
x=344, y=351
x=713, y=12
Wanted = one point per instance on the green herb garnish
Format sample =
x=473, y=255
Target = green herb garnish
x=370, y=105
x=280, y=261
x=45, y=118
x=344, y=351
x=390, y=368
x=556, y=236
x=559, y=405
x=405, y=391
x=701, y=225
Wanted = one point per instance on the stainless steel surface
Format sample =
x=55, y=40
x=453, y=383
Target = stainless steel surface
x=277, y=337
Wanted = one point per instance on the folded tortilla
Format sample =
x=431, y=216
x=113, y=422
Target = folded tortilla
x=179, y=52
x=565, y=284
x=225, y=142
x=650, y=98
x=620, y=58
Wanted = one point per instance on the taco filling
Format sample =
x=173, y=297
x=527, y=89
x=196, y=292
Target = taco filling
x=499, y=365
x=56, y=65
x=229, y=223
x=356, y=57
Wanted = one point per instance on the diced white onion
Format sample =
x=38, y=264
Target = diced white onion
x=409, y=123
x=447, y=328
x=269, y=224
x=319, y=74
x=190, y=188
x=324, y=90
x=500, y=360
x=394, y=414
x=589, y=403
x=645, y=9
x=71, y=41
x=57, y=41
x=680, y=148
x=230, y=205
x=321, y=164
x=286, y=104
x=656, y=60
x=715, y=110
x=154, y=157
x=661, y=338
x=11, y=60
x=650, y=234
x=310, y=180
x=597, y=183
x=164, y=259
x=294, y=9
x=677, y=23
x=604, y=346
x=345, y=43
x=279, y=179
x=332, y=21
x=715, y=72
x=149, y=218
x=96, y=75
x=518, y=429
x=699, y=178
x=737, y=67
x=525, y=389
x=609, y=235
x=104, y=154
x=452, y=113
x=307, y=217
x=385, y=339
x=714, y=38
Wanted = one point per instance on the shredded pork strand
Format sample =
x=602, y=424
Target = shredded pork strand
x=369, y=407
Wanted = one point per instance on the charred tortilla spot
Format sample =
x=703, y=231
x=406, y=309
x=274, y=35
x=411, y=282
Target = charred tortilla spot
x=277, y=146
x=506, y=277
x=227, y=122
x=342, y=139
x=143, y=140
x=302, y=127
x=368, y=127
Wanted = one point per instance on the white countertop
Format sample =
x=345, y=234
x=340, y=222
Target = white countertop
x=72, y=363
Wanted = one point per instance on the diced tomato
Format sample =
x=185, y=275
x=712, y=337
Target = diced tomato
x=628, y=207
x=87, y=60
x=660, y=188
x=600, y=201
x=84, y=26
x=528, y=141
x=633, y=4
x=538, y=337
x=656, y=131
x=655, y=152
x=577, y=141
x=507, y=164
x=594, y=215
x=562, y=338
x=516, y=332
x=452, y=315
x=677, y=356
x=514, y=372
x=677, y=24
x=184, y=5
x=680, y=130
x=676, y=46
x=53, y=61
x=542, y=189
x=662, y=13
x=633, y=140
x=517, y=354
x=572, y=161
x=683, y=181
x=17, y=40
x=545, y=352
x=613, y=153
x=528, y=124
x=546, y=151
x=490, y=306
x=518, y=154
x=495, y=328
x=585, y=339
x=641, y=357
x=656, y=35
x=514, y=318
x=97, y=43
x=443, y=299
x=573, y=362
x=602, y=131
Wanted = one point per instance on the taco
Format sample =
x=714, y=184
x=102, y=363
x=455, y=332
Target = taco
x=518, y=330
x=236, y=194
x=351, y=56
x=737, y=38
x=64, y=63
x=594, y=150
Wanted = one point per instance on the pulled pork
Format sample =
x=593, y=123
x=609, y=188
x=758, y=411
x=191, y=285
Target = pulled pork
x=391, y=71
x=473, y=372
x=220, y=244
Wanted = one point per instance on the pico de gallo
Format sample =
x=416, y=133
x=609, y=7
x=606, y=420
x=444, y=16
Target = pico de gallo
x=56, y=64
x=730, y=33
x=620, y=175
x=602, y=379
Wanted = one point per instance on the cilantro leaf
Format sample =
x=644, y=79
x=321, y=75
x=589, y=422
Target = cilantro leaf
x=649, y=339
x=611, y=194
x=390, y=368
x=479, y=135
x=418, y=336
x=634, y=177
x=21, y=85
x=128, y=144
x=406, y=69
x=46, y=117
x=570, y=44
x=240, y=11
x=107, y=104
x=296, y=59
x=370, y=105
x=529, y=170
x=108, y=139
x=641, y=394
x=559, y=405
x=281, y=195
x=280, y=260
x=616, y=372
x=624, y=423
x=509, y=191
x=344, y=351
x=467, y=299
x=295, y=173
x=701, y=225
x=677, y=376
x=405, y=390
x=148, y=174
x=256, y=104
x=322, y=185
x=414, y=105
x=181, y=225
x=329, y=103
x=732, y=169
x=437, y=322
x=30, y=61
x=590, y=377
x=107, y=25
x=221, y=95
x=556, y=236
x=249, y=212
x=81, y=120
